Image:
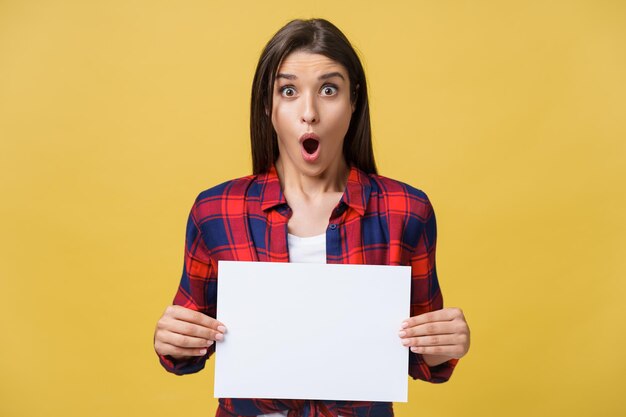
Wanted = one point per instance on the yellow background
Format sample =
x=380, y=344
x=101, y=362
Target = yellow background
x=510, y=115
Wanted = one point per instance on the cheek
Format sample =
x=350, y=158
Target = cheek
x=340, y=117
x=280, y=117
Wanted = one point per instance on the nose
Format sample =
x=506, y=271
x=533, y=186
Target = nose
x=310, y=114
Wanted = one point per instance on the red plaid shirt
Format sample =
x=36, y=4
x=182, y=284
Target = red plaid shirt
x=378, y=221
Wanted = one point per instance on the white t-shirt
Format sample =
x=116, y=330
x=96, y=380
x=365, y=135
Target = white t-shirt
x=311, y=250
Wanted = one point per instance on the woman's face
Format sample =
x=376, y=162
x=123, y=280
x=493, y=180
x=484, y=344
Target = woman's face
x=311, y=113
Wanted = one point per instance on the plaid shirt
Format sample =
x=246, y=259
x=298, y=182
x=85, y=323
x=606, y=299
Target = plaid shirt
x=378, y=221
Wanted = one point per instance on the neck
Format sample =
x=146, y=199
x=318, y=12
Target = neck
x=292, y=180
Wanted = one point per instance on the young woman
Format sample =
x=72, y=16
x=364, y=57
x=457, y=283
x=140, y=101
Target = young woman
x=314, y=196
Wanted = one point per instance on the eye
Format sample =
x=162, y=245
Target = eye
x=329, y=90
x=287, y=91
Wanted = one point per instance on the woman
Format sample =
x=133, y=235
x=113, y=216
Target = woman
x=314, y=197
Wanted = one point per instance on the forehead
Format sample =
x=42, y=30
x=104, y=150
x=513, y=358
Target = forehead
x=304, y=63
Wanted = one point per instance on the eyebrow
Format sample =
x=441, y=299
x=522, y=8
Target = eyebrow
x=321, y=77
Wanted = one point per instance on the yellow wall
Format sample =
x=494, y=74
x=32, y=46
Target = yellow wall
x=510, y=115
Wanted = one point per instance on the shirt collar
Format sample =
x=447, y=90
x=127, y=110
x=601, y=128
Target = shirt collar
x=356, y=194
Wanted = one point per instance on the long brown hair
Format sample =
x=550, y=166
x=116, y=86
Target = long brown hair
x=316, y=36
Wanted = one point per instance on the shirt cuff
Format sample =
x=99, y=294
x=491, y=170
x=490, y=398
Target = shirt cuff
x=183, y=366
x=419, y=369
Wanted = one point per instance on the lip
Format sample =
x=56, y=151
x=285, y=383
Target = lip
x=310, y=157
x=309, y=135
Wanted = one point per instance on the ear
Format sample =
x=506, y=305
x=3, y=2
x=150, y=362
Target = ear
x=355, y=95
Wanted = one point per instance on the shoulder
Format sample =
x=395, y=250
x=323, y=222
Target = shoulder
x=219, y=197
x=400, y=196
x=231, y=188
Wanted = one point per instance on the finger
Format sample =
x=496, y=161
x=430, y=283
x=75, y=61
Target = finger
x=438, y=340
x=453, y=351
x=192, y=316
x=188, y=329
x=182, y=341
x=429, y=329
x=167, y=349
x=446, y=314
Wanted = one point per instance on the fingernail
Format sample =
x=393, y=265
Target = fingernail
x=219, y=336
x=221, y=329
x=209, y=343
x=414, y=349
x=405, y=342
x=402, y=333
x=203, y=351
x=404, y=325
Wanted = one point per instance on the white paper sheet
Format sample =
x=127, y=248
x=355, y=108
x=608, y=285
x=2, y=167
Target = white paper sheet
x=312, y=331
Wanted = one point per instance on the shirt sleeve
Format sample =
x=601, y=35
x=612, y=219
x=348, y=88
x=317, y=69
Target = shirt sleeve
x=426, y=296
x=197, y=291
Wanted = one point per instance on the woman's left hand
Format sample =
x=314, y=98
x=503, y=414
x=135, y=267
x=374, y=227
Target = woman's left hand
x=441, y=334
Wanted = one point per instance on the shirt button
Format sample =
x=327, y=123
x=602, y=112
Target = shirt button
x=333, y=226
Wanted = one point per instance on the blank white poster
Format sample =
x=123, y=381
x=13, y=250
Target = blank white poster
x=312, y=331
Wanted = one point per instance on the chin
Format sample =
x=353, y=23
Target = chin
x=313, y=170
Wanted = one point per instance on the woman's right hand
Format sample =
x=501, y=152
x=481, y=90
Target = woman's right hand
x=183, y=333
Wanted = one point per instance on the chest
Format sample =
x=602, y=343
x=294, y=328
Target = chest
x=311, y=218
x=351, y=238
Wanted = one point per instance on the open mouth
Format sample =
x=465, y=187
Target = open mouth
x=310, y=145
